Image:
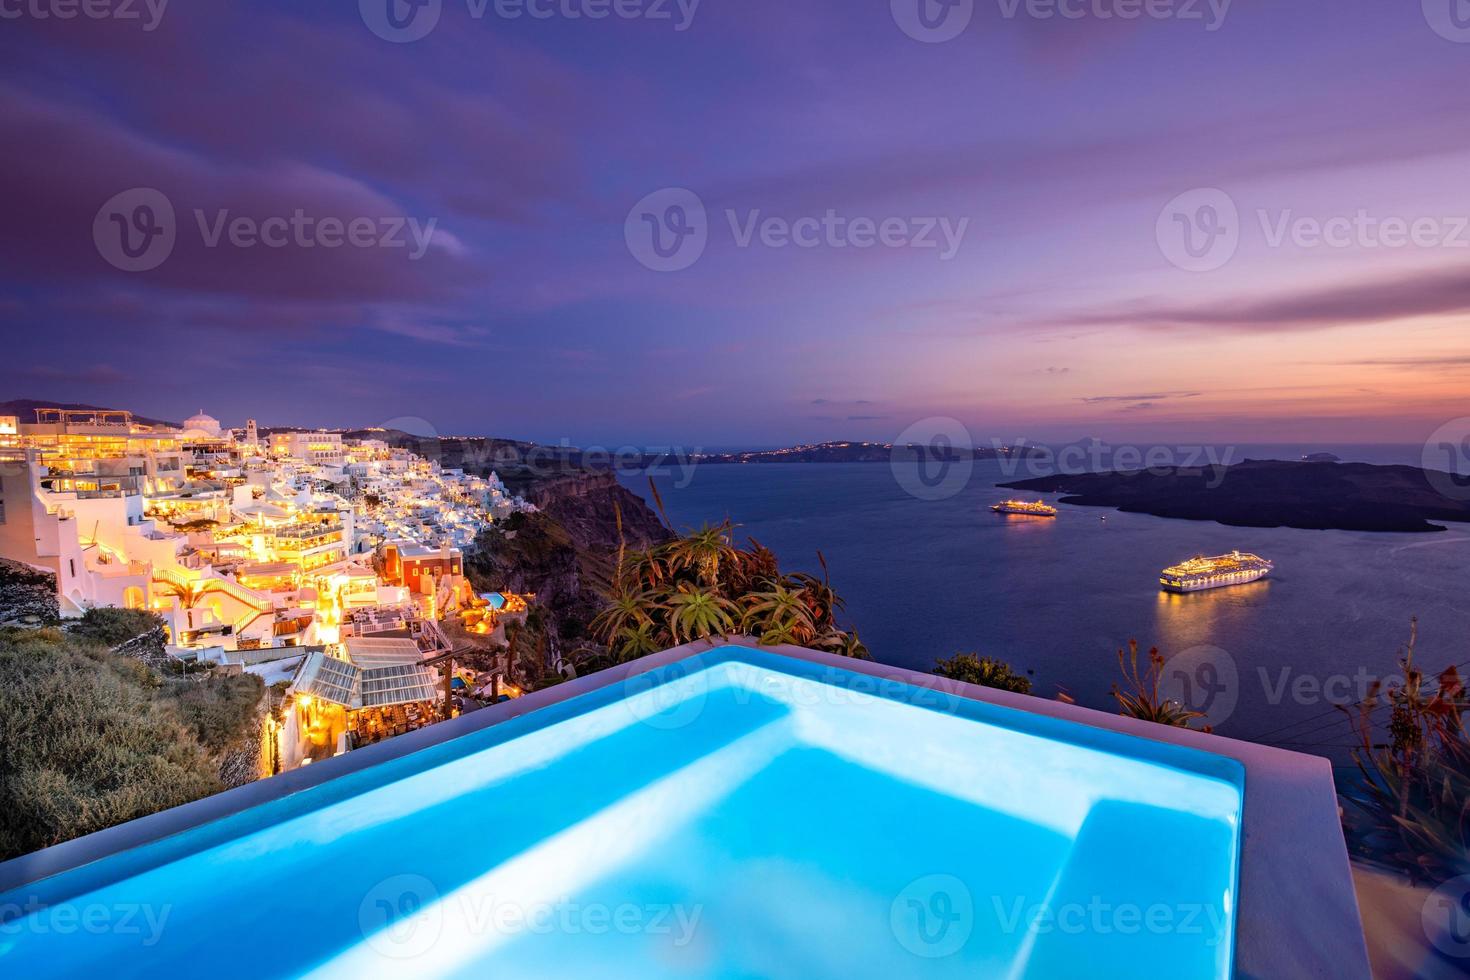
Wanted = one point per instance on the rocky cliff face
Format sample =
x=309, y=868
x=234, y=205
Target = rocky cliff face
x=27, y=596
x=566, y=553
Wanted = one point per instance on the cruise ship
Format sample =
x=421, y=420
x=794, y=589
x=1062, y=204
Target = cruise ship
x=1200, y=573
x=1032, y=509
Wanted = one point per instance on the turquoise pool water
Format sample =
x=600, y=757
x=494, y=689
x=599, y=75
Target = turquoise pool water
x=736, y=814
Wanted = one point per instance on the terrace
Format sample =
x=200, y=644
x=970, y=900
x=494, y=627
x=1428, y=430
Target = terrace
x=822, y=816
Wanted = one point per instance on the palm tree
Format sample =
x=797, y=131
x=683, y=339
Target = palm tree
x=780, y=614
x=627, y=608
x=188, y=593
x=699, y=613
x=704, y=551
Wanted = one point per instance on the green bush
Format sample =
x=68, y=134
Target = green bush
x=91, y=739
x=219, y=710
x=970, y=668
x=88, y=744
x=112, y=626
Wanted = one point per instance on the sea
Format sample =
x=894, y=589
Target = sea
x=930, y=573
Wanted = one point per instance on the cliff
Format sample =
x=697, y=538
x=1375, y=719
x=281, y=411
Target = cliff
x=565, y=553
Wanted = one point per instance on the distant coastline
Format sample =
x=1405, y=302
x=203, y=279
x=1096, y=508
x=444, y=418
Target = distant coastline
x=1270, y=493
x=853, y=452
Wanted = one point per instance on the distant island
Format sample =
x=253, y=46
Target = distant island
x=1268, y=493
x=853, y=452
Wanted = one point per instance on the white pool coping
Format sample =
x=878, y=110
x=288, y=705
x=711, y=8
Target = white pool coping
x=1297, y=914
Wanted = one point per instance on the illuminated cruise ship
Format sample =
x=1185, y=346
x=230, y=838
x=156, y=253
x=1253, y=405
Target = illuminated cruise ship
x=1201, y=573
x=1030, y=508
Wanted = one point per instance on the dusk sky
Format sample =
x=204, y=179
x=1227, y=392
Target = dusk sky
x=1066, y=158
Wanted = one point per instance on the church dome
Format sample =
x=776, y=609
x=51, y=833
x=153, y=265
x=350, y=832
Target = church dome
x=207, y=424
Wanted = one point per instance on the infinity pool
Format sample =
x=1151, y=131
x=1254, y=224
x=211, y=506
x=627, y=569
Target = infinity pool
x=734, y=814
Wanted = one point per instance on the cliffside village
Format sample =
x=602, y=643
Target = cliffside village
x=336, y=565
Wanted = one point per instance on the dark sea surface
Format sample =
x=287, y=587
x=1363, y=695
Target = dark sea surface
x=1058, y=598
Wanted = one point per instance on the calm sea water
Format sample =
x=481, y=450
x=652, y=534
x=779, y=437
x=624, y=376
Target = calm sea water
x=1059, y=598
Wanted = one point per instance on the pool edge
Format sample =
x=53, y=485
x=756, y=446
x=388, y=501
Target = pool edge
x=1297, y=913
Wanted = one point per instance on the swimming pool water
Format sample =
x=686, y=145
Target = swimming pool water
x=735, y=814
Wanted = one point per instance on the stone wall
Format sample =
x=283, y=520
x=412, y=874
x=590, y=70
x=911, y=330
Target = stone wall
x=27, y=596
x=149, y=647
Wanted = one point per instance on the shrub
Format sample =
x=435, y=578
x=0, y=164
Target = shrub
x=1143, y=699
x=1410, y=812
x=112, y=626
x=88, y=743
x=219, y=710
x=984, y=671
